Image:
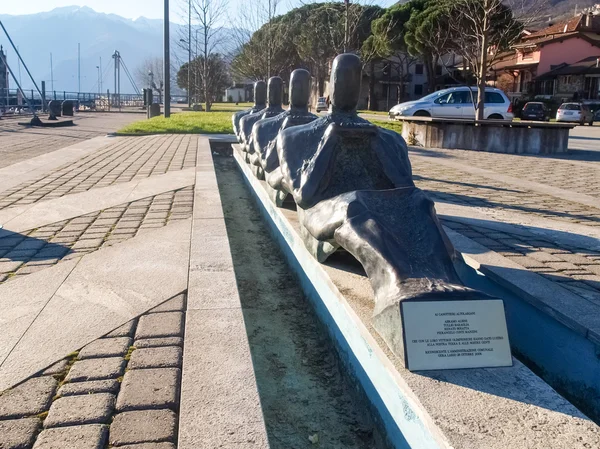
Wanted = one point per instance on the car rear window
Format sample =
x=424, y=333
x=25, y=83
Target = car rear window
x=322, y=99
x=533, y=107
x=570, y=106
x=493, y=97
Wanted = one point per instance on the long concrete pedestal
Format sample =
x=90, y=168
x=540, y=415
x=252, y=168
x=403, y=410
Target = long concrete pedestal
x=477, y=408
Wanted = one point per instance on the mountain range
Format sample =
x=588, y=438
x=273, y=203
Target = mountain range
x=58, y=32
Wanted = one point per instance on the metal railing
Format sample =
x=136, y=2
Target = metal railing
x=11, y=98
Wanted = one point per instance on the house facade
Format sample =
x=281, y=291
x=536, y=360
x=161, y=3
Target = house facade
x=526, y=71
x=402, y=78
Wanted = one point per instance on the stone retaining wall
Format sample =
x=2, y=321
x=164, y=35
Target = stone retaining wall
x=494, y=136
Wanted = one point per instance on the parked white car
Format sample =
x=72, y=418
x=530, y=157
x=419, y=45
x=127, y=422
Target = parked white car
x=321, y=104
x=456, y=102
x=575, y=112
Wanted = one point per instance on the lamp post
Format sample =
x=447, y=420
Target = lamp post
x=99, y=87
x=167, y=62
x=189, y=52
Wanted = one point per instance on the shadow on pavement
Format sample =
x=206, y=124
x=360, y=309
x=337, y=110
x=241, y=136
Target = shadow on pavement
x=21, y=248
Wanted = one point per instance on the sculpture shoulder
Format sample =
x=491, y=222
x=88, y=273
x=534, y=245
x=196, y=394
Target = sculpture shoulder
x=305, y=134
x=276, y=120
x=392, y=138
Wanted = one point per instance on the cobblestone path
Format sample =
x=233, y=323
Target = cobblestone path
x=18, y=143
x=119, y=391
x=127, y=159
x=558, y=171
x=574, y=267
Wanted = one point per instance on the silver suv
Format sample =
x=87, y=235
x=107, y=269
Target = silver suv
x=456, y=102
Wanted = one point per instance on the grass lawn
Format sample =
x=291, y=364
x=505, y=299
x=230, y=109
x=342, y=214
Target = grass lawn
x=373, y=112
x=183, y=123
x=388, y=124
x=230, y=107
x=214, y=122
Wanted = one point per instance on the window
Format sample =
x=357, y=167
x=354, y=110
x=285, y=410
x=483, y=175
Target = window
x=419, y=69
x=493, y=97
x=418, y=89
x=438, y=70
x=567, y=79
x=443, y=99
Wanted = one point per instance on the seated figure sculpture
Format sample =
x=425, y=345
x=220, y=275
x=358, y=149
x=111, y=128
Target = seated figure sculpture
x=260, y=98
x=352, y=182
x=263, y=151
x=274, y=99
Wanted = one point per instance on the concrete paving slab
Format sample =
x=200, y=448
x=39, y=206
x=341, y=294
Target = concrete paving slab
x=30, y=398
x=92, y=436
x=82, y=409
x=106, y=347
x=96, y=369
x=21, y=301
x=220, y=405
x=158, y=342
x=105, y=290
x=143, y=426
x=156, y=388
x=162, y=357
x=31, y=216
x=89, y=387
x=165, y=324
x=19, y=433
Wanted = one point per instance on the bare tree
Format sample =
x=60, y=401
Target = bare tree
x=256, y=56
x=209, y=14
x=481, y=30
x=149, y=73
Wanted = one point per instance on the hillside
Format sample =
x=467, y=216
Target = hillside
x=59, y=31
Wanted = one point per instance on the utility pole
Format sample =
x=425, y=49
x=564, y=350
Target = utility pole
x=167, y=62
x=100, y=74
x=51, y=74
x=78, y=69
x=189, y=53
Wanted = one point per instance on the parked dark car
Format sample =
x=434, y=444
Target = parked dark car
x=534, y=110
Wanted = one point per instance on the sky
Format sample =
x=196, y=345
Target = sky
x=132, y=9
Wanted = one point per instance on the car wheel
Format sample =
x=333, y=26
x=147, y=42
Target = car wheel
x=422, y=114
x=591, y=122
x=496, y=117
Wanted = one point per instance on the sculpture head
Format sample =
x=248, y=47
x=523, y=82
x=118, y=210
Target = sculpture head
x=260, y=92
x=299, y=88
x=344, y=84
x=275, y=91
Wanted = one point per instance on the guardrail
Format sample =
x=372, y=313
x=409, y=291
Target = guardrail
x=12, y=98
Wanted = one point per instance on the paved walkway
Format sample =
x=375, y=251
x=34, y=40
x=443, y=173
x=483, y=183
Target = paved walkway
x=114, y=258
x=18, y=143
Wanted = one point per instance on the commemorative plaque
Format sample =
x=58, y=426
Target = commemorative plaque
x=455, y=334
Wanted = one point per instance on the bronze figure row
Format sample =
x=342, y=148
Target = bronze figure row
x=353, y=187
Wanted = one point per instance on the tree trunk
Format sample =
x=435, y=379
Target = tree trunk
x=430, y=69
x=372, y=102
x=482, y=72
